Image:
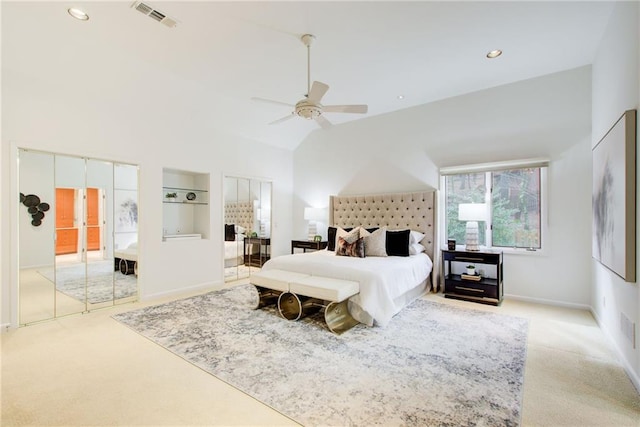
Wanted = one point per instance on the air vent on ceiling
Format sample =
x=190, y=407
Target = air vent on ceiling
x=155, y=14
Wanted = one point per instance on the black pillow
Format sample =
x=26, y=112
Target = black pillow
x=229, y=232
x=398, y=243
x=331, y=237
x=371, y=230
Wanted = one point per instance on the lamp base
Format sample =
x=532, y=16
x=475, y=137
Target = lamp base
x=313, y=230
x=472, y=237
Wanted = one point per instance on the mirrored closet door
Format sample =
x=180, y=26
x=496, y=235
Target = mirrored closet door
x=247, y=226
x=78, y=234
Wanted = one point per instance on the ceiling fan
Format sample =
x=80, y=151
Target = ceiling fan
x=310, y=107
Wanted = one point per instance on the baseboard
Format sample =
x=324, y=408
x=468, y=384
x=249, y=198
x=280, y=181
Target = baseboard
x=4, y=327
x=633, y=376
x=549, y=302
x=183, y=291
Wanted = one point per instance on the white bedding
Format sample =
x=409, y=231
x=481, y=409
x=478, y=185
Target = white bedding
x=387, y=284
x=233, y=249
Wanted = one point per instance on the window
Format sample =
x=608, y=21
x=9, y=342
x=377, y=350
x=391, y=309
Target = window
x=514, y=198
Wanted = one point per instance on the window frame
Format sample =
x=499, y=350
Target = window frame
x=488, y=169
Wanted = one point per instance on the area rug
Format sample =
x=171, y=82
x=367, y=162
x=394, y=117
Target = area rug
x=434, y=364
x=103, y=284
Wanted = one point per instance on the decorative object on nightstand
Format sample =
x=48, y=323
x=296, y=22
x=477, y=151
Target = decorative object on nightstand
x=472, y=213
x=483, y=285
x=471, y=270
x=313, y=215
x=451, y=244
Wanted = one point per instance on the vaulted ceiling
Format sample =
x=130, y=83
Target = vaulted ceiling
x=221, y=54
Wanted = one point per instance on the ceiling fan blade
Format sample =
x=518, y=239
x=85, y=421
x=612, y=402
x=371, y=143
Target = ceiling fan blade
x=359, y=109
x=323, y=122
x=318, y=89
x=284, y=119
x=270, y=101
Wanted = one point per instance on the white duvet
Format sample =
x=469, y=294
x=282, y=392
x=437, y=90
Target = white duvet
x=387, y=284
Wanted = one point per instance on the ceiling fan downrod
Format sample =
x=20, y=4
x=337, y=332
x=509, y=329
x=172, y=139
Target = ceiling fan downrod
x=307, y=39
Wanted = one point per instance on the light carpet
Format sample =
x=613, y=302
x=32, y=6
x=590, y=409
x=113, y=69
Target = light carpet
x=434, y=364
x=102, y=284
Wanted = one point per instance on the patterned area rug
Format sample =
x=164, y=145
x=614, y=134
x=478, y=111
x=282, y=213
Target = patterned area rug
x=102, y=284
x=434, y=364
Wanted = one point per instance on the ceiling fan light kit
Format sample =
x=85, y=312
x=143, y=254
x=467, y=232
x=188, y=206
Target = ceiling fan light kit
x=309, y=107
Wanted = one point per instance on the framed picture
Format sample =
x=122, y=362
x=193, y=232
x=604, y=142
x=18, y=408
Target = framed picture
x=614, y=198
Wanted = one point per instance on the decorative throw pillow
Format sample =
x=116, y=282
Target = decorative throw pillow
x=375, y=242
x=349, y=236
x=229, y=233
x=416, y=237
x=354, y=249
x=414, y=249
x=398, y=243
x=331, y=237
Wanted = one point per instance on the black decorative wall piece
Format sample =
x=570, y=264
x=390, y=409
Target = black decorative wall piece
x=35, y=207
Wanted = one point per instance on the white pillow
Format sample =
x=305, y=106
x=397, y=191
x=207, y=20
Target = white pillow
x=415, y=237
x=240, y=229
x=375, y=244
x=414, y=248
x=240, y=237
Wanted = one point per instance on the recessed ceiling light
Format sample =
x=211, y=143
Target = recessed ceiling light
x=494, y=54
x=400, y=96
x=78, y=14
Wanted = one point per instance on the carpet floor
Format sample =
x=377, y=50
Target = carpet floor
x=98, y=281
x=434, y=364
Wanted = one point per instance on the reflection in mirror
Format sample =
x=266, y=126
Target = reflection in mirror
x=125, y=235
x=98, y=238
x=71, y=271
x=36, y=276
x=69, y=237
x=247, y=226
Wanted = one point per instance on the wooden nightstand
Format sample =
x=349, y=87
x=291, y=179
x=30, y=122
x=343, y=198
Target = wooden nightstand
x=307, y=244
x=487, y=290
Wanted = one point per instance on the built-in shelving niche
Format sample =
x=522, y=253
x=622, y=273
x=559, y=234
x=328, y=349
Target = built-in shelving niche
x=185, y=205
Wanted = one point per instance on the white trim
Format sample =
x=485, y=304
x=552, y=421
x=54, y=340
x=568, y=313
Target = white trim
x=495, y=166
x=177, y=292
x=4, y=328
x=633, y=376
x=544, y=301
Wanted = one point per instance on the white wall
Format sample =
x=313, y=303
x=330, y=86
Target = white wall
x=153, y=130
x=616, y=76
x=402, y=151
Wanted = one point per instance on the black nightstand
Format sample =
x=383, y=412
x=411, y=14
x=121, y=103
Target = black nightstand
x=307, y=244
x=264, y=253
x=487, y=290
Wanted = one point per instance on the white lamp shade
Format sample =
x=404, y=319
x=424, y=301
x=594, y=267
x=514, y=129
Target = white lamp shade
x=472, y=211
x=314, y=214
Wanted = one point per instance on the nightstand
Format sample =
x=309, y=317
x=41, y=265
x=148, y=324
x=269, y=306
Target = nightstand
x=307, y=244
x=487, y=290
x=263, y=254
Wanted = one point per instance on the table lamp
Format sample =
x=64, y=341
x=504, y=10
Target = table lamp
x=313, y=215
x=472, y=213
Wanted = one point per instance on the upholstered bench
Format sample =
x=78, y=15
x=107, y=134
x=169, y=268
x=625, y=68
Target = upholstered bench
x=271, y=283
x=312, y=293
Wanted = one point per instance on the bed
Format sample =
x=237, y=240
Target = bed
x=387, y=284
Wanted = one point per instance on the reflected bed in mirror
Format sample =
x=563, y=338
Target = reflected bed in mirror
x=247, y=213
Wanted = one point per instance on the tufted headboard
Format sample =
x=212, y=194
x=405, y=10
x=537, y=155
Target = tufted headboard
x=239, y=213
x=416, y=211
